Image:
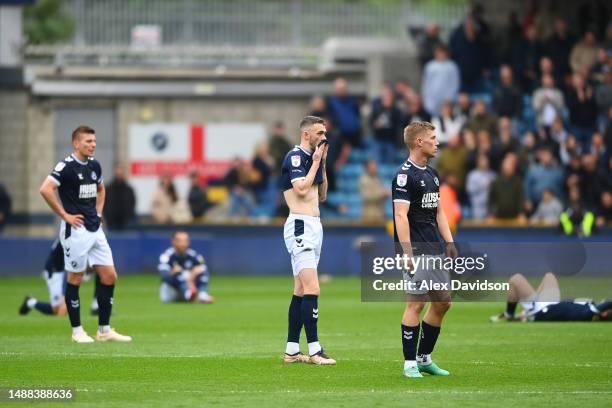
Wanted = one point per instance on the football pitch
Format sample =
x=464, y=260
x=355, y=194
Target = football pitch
x=229, y=353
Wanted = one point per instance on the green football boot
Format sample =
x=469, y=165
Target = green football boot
x=432, y=369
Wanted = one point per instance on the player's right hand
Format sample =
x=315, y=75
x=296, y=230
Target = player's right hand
x=75, y=221
x=318, y=154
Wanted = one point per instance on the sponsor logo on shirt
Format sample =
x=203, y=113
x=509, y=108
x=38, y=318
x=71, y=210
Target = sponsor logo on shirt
x=88, y=191
x=430, y=200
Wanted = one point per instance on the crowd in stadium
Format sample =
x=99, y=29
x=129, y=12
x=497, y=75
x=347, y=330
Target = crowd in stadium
x=524, y=121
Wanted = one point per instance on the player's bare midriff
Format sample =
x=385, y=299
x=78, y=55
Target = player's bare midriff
x=309, y=205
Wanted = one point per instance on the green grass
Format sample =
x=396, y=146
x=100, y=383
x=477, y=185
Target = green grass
x=229, y=354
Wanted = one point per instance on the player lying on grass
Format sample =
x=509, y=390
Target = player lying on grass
x=183, y=272
x=545, y=304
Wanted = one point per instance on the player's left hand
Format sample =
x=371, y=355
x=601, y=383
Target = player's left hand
x=451, y=250
x=325, y=149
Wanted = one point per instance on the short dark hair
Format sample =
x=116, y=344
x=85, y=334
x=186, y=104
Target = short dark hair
x=82, y=129
x=181, y=231
x=310, y=120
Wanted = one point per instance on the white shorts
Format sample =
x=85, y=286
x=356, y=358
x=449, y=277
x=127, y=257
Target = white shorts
x=303, y=239
x=55, y=284
x=427, y=275
x=82, y=247
x=548, y=296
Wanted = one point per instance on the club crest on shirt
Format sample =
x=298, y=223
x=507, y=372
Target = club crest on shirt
x=402, y=179
x=296, y=160
x=93, y=176
x=422, y=183
x=437, y=181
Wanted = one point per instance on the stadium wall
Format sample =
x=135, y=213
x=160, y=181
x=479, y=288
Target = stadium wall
x=237, y=250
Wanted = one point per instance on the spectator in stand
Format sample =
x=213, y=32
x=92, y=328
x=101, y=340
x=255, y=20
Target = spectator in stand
x=597, y=73
x=511, y=37
x=416, y=112
x=546, y=174
x=120, y=202
x=197, y=198
x=447, y=125
x=452, y=160
x=427, y=40
x=5, y=206
x=583, y=110
x=584, y=54
x=593, y=181
x=463, y=109
x=573, y=172
x=237, y=180
x=482, y=119
x=449, y=200
x=385, y=122
x=401, y=88
x=568, y=149
x=547, y=68
x=318, y=108
x=549, y=209
x=548, y=102
x=373, y=192
x=525, y=59
x=557, y=131
x=507, y=98
x=507, y=143
x=467, y=51
x=262, y=165
x=166, y=206
x=485, y=146
x=604, y=213
x=506, y=194
x=598, y=148
x=603, y=98
x=558, y=48
x=344, y=113
x=441, y=81
x=608, y=132
x=578, y=218
x=478, y=185
x=279, y=145
x=527, y=152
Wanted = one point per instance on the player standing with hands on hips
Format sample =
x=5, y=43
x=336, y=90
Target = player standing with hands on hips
x=421, y=229
x=305, y=185
x=78, y=180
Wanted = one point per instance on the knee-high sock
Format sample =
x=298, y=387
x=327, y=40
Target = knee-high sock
x=73, y=304
x=410, y=339
x=429, y=336
x=201, y=282
x=105, y=303
x=295, y=320
x=44, y=308
x=310, y=316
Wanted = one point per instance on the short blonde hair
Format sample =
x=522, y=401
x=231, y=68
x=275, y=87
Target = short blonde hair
x=413, y=130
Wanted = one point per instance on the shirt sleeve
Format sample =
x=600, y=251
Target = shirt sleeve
x=164, y=263
x=58, y=173
x=295, y=166
x=98, y=170
x=400, y=188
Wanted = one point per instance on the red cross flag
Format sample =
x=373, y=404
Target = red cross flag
x=178, y=148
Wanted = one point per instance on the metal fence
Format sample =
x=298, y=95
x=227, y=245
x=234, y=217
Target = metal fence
x=296, y=23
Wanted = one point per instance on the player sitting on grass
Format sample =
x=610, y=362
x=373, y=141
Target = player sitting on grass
x=183, y=272
x=545, y=304
x=56, y=282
